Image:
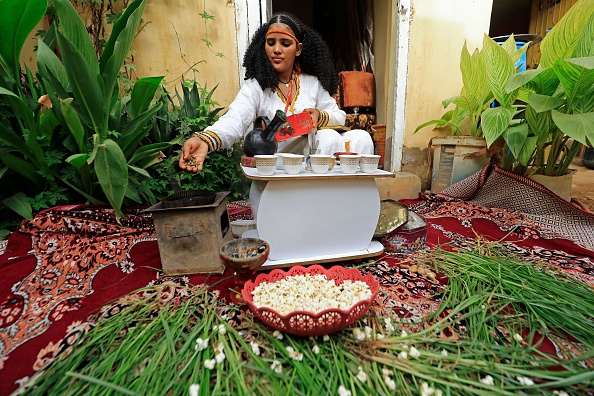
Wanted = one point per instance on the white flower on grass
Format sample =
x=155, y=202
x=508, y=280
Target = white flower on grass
x=255, y=348
x=194, y=389
x=358, y=334
x=403, y=355
x=560, y=393
x=368, y=332
x=209, y=363
x=361, y=375
x=316, y=349
x=518, y=337
x=525, y=381
x=219, y=348
x=379, y=336
x=276, y=366
x=295, y=355
x=390, y=383
x=387, y=372
x=426, y=390
x=438, y=392
x=488, y=380
x=201, y=344
x=414, y=352
x=220, y=357
x=444, y=353
x=403, y=333
x=342, y=391
x=326, y=338
x=277, y=334
x=388, y=325
x=222, y=329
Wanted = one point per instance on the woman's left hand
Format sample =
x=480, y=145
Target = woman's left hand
x=314, y=113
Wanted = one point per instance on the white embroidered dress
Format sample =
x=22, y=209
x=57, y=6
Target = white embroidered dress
x=252, y=102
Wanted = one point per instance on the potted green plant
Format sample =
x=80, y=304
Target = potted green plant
x=559, y=118
x=83, y=120
x=484, y=75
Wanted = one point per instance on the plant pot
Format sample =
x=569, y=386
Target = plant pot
x=453, y=160
x=560, y=185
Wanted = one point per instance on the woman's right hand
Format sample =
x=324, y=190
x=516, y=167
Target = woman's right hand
x=193, y=154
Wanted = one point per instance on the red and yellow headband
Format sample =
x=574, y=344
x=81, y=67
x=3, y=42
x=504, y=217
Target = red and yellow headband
x=283, y=32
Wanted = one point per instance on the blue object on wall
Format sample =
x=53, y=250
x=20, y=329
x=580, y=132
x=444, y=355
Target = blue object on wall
x=521, y=39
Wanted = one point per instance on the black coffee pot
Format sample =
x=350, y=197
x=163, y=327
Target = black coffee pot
x=262, y=139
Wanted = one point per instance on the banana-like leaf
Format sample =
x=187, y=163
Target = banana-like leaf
x=561, y=41
x=143, y=94
x=78, y=160
x=585, y=44
x=542, y=103
x=577, y=78
x=515, y=137
x=20, y=204
x=17, y=19
x=48, y=61
x=149, y=150
x=112, y=171
x=119, y=44
x=500, y=67
x=135, y=131
x=577, y=126
x=88, y=91
x=74, y=125
x=540, y=124
x=75, y=31
x=527, y=150
x=139, y=170
x=495, y=121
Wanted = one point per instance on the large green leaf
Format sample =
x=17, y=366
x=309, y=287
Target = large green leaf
x=47, y=60
x=577, y=126
x=17, y=19
x=585, y=44
x=495, y=121
x=577, y=78
x=515, y=137
x=10, y=138
x=20, y=204
x=143, y=94
x=75, y=31
x=135, y=131
x=561, y=42
x=147, y=151
x=119, y=44
x=542, y=103
x=74, y=125
x=88, y=91
x=500, y=67
x=112, y=172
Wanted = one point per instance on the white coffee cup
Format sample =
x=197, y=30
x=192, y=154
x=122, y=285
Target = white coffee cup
x=349, y=163
x=265, y=164
x=292, y=163
x=320, y=163
x=369, y=162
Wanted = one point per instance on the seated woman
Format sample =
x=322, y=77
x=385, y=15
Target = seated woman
x=288, y=66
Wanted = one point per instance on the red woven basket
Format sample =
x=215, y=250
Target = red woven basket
x=310, y=324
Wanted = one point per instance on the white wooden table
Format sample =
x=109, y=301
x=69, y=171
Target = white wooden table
x=310, y=217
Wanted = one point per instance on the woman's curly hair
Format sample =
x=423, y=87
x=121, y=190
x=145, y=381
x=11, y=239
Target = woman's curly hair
x=315, y=58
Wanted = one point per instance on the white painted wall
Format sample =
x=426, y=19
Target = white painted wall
x=437, y=32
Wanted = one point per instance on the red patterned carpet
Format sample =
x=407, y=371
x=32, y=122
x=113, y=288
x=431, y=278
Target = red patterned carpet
x=69, y=262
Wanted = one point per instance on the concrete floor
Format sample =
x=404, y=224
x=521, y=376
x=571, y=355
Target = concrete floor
x=583, y=185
